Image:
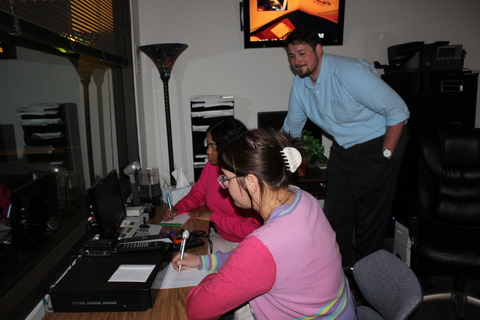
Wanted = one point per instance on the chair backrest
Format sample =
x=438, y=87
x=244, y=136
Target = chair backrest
x=449, y=181
x=388, y=285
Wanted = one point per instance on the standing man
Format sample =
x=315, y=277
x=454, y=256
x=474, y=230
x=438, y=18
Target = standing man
x=347, y=99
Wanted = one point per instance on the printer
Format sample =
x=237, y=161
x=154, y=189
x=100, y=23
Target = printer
x=418, y=56
x=86, y=286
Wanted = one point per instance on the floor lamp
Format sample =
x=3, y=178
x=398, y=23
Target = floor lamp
x=164, y=56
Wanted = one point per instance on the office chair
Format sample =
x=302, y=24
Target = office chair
x=388, y=285
x=445, y=220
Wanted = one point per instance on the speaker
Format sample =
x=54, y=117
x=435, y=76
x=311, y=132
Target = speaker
x=91, y=227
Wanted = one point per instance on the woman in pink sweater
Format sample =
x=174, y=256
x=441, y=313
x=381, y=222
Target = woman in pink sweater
x=290, y=268
x=231, y=223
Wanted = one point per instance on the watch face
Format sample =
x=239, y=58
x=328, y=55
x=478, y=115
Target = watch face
x=387, y=153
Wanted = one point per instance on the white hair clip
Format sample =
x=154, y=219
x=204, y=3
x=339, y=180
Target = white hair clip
x=292, y=158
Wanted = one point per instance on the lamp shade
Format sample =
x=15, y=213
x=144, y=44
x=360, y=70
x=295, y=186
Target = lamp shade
x=164, y=56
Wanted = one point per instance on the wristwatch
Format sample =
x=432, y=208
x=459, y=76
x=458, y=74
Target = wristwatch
x=387, y=153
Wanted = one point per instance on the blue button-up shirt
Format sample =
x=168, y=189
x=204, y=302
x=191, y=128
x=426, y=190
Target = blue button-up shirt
x=349, y=101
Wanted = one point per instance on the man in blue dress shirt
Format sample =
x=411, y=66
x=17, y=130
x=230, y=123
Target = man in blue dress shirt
x=365, y=118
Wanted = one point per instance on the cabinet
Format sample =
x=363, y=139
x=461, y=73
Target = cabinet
x=205, y=110
x=435, y=99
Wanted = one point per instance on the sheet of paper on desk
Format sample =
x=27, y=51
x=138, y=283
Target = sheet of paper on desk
x=132, y=273
x=173, y=279
x=179, y=220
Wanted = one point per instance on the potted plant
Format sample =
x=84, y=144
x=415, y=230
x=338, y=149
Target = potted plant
x=313, y=149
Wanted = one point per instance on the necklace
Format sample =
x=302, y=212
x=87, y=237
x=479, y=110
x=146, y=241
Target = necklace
x=281, y=203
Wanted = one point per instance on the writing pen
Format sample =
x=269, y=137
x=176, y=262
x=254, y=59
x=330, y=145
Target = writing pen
x=169, y=201
x=185, y=236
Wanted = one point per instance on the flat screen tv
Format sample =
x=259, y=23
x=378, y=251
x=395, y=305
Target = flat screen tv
x=107, y=204
x=268, y=22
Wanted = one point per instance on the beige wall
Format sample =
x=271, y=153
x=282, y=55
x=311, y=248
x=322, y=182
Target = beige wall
x=259, y=79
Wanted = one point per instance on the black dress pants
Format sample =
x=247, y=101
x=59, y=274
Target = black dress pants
x=360, y=190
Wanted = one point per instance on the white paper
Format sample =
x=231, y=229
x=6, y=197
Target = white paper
x=179, y=219
x=174, y=279
x=132, y=273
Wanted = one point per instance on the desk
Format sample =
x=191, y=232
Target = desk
x=169, y=303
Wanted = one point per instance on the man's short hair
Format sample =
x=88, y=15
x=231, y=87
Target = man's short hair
x=303, y=35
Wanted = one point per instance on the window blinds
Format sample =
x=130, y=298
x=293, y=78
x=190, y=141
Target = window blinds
x=99, y=28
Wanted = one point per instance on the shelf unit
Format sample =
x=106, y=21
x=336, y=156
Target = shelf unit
x=52, y=134
x=205, y=110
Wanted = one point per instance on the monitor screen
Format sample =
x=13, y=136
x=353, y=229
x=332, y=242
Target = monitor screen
x=268, y=22
x=108, y=205
x=29, y=212
x=275, y=119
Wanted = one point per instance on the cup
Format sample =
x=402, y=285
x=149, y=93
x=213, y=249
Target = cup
x=149, y=181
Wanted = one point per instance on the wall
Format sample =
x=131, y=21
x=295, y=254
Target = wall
x=259, y=79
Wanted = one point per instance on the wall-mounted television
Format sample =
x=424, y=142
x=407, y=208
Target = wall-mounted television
x=268, y=22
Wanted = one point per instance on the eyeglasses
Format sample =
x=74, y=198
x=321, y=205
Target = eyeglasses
x=213, y=145
x=223, y=180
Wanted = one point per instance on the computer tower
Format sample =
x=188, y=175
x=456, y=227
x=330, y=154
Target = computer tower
x=435, y=99
x=402, y=243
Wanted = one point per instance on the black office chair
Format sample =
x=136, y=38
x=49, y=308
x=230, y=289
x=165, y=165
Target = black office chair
x=445, y=225
x=389, y=286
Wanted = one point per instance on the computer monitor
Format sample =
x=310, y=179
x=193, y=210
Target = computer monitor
x=29, y=212
x=107, y=205
x=275, y=119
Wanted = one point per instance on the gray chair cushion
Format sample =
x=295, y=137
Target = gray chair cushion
x=388, y=285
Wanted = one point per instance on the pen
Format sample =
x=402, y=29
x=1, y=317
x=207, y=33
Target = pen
x=169, y=202
x=185, y=236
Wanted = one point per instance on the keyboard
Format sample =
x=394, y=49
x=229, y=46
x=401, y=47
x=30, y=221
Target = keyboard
x=140, y=246
x=151, y=237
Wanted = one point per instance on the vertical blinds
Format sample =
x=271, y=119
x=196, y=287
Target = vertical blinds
x=98, y=28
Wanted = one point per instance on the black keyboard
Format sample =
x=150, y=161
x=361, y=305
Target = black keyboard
x=144, y=238
x=140, y=245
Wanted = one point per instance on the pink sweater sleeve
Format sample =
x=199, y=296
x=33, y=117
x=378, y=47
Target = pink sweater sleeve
x=249, y=271
x=236, y=227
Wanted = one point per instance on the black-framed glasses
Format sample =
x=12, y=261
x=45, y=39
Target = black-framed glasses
x=223, y=180
x=212, y=145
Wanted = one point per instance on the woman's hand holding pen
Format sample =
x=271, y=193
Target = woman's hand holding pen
x=201, y=215
x=169, y=214
x=189, y=261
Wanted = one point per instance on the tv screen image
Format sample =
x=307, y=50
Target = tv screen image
x=268, y=22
